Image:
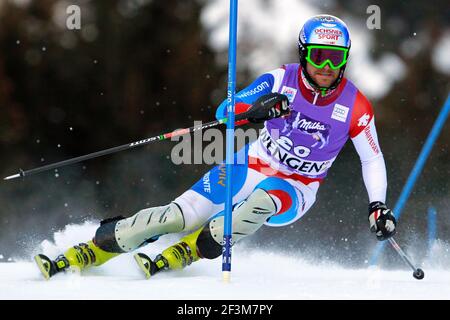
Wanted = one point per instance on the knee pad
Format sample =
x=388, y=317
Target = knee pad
x=248, y=217
x=289, y=201
x=124, y=235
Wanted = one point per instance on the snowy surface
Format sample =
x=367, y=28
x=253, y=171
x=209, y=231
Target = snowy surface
x=258, y=275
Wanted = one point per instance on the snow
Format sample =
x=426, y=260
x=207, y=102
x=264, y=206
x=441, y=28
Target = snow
x=255, y=275
x=440, y=56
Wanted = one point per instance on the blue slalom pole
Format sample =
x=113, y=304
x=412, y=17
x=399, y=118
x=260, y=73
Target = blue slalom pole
x=415, y=172
x=227, y=232
x=431, y=227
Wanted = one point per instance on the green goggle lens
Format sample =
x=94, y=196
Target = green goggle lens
x=319, y=56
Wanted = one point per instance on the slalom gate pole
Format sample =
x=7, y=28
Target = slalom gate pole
x=415, y=172
x=431, y=227
x=227, y=232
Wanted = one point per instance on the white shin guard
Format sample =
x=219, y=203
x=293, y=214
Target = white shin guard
x=132, y=232
x=248, y=216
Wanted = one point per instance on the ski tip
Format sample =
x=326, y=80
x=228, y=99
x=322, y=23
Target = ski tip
x=41, y=266
x=12, y=177
x=142, y=260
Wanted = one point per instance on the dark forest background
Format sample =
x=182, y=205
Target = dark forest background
x=128, y=75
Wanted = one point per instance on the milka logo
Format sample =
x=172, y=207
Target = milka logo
x=318, y=131
x=310, y=125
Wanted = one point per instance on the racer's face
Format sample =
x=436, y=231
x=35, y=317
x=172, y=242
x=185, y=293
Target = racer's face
x=323, y=77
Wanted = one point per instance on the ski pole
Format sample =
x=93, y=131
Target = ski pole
x=23, y=173
x=417, y=272
x=416, y=170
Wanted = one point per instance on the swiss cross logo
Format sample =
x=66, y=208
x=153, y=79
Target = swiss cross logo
x=364, y=120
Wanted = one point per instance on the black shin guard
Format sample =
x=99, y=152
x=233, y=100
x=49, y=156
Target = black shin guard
x=207, y=247
x=105, y=237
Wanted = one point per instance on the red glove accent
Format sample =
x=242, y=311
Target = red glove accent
x=241, y=107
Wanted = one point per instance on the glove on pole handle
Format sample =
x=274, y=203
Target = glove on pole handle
x=417, y=272
x=23, y=173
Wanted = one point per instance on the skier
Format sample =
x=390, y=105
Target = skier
x=309, y=111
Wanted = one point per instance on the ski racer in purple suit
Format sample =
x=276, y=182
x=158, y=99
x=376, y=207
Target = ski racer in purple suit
x=309, y=111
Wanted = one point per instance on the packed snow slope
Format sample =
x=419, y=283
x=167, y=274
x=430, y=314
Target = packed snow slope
x=255, y=275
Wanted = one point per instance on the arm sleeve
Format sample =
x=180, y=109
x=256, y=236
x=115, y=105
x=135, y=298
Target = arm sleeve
x=267, y=83
x=364, y=137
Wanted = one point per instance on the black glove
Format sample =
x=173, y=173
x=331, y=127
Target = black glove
x=382, y=220
x=269, y=106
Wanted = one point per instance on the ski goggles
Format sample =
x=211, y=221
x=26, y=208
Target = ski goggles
x=320, y=55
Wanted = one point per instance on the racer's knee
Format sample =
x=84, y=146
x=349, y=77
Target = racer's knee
x=196, y=209
x=248, y=216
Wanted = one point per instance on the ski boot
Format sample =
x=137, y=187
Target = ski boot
x=50, y=267
x=77, y=258
x=175, y=257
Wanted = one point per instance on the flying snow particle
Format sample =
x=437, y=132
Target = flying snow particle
x=66, y=205
x=44, y=49
x=18, y=42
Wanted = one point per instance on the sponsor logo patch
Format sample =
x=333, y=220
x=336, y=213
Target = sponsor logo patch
x=340, y=112
x=257, y=89
x=289, y=92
